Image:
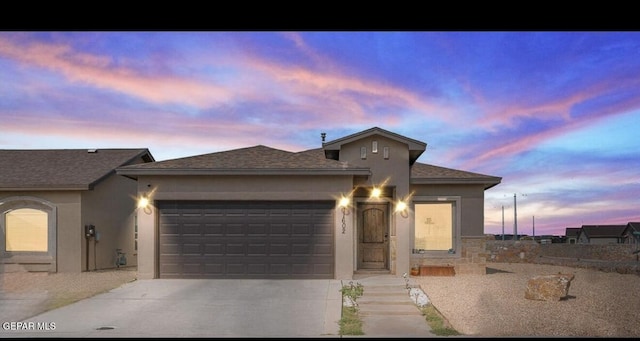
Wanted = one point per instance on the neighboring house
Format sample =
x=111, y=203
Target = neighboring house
x=47, y=197
x=571, y=234
x=361, y=203
x=631, y=233
x=601, y=234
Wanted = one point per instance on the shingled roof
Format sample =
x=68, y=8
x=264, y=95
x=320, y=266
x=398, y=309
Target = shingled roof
x=266, y=160
x=252, y=160
x=572, y=231
x=603, y=231
x=422, y=173
x=62, y=169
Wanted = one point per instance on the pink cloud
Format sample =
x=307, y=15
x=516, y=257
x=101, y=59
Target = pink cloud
x=100, y=72
x=561, y=106
x=504, y=148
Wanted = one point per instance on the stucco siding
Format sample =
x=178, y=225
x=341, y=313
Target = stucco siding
x=392, y=172
x=111, y=208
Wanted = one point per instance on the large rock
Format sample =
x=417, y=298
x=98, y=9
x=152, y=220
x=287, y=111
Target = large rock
x=548, y=287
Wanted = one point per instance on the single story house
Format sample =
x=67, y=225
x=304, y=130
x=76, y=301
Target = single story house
x=360, y=203
x=571, y=234
x=631, y=233
x=50, y=199
x=601, y=234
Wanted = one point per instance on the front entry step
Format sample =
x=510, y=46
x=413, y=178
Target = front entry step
x=386, y=300
x=387, y=310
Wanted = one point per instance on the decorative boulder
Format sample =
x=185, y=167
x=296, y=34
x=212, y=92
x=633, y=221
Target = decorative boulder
x=548, y=287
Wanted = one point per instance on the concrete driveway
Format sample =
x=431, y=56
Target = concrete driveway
x=195, y=308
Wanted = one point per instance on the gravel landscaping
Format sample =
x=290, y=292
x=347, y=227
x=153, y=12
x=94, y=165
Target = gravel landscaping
x=25, y=294
x=599, y=304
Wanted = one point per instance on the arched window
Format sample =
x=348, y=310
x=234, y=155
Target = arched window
x=26, y=230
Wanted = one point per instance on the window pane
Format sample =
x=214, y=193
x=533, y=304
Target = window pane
x=27, y=230
x=434, y=226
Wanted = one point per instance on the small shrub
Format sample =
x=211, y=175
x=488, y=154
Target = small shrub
x=350, y=323
x=353, y=291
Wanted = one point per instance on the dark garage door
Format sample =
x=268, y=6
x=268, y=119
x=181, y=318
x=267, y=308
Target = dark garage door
x=246, y=239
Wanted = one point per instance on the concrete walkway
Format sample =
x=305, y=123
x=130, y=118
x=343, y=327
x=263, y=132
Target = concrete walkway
x=387, y=310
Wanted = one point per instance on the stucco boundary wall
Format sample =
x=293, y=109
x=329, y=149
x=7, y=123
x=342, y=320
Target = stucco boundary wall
x=618, y=258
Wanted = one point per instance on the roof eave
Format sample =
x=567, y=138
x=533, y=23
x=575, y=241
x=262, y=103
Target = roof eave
x=134, y=173
x=45, y=188
x=488, y=183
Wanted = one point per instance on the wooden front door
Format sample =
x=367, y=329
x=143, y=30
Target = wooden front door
x=373, y=236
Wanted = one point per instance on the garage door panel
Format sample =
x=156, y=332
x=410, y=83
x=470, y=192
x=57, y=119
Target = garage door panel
x=235, y=249
x=257, y=230
x=236, y=268
x=257, y=250
x=191, y=249
x=302, y=230
x=171, y=249
x=279, y=249
x=191, y=229
x=214, y=269
x=200, y=239
x=213, y=230
x=214, y=249
x=279, y=229
x=323, y=249
x=301, y=249
x=257, y=269
x=192, y=268
x=234, y=229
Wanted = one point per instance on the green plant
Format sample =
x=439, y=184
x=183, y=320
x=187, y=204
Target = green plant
x=352, y=291
x=437, y=322
x=350, y=323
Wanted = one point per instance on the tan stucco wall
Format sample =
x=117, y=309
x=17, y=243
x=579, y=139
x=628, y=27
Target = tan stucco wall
x=264, y=187
x=69, y=233
x=472, y=202
x=393, y=172
x=111, y=208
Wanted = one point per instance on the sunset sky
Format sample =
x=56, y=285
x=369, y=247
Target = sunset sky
x=555, y=114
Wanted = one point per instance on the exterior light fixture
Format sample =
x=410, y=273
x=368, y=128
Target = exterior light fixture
x=401, y=207
x=376, y=192
x=144, y=204
x=344, y=206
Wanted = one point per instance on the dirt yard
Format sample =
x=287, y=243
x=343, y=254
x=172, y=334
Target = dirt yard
x=599, y=304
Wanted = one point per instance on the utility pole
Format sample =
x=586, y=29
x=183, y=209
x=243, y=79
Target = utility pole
x=534, y=226
x=502, y=222
x=515, y=218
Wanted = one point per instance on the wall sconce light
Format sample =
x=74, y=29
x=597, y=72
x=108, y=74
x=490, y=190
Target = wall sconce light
x=344, y=206
x=376, y=192
x=401, y=207
x=144, y=204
